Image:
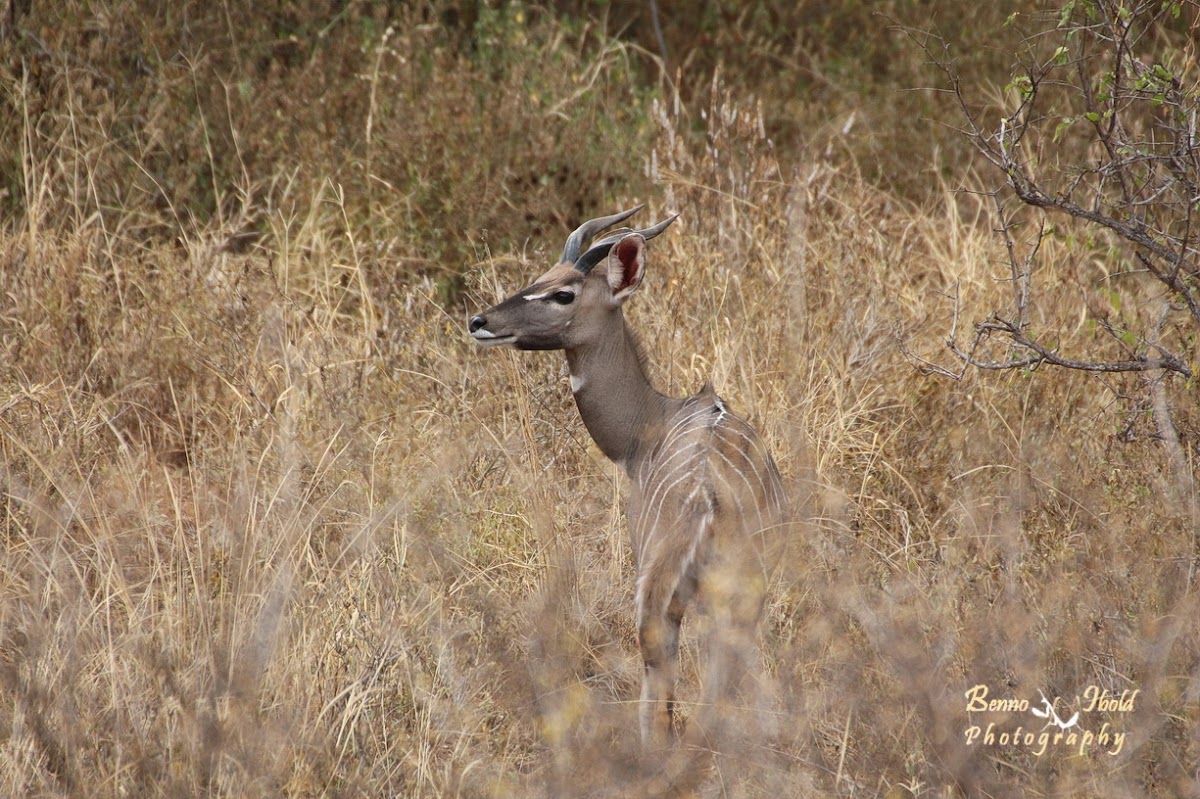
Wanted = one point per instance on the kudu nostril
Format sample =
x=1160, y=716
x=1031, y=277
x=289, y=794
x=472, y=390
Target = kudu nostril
x=476, y=323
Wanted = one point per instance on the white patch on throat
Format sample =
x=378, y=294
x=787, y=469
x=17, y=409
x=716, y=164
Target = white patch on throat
x=576, y=384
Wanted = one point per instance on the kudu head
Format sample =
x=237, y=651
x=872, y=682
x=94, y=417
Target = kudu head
x=564, y=307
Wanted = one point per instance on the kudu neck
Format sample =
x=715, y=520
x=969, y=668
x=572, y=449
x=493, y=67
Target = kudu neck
x=618, y=405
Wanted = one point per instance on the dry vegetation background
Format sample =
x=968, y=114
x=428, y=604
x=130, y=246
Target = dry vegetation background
x=272, y=525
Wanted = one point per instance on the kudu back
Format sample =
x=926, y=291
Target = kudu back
x=705, y=493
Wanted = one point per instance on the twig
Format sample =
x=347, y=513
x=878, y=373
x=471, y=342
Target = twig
x=1042, y=354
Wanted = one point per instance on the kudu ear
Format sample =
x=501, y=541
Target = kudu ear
x=626, y=265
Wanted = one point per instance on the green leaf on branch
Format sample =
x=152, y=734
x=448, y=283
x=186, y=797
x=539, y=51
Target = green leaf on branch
x=1067, y=9
x=1022, y=85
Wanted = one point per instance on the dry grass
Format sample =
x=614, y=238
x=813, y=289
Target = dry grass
x=271, y=525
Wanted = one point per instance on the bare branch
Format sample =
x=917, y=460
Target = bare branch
x=1042, y=354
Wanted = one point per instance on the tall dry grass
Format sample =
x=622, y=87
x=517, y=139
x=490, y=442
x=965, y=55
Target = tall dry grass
x=272, y=526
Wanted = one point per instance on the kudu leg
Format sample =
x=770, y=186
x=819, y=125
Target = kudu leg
x=658, y=638
x=734, y=597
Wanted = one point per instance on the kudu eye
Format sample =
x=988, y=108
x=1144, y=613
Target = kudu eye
x=563, y=297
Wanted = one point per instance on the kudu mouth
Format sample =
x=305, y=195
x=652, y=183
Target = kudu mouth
x=486, y=338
